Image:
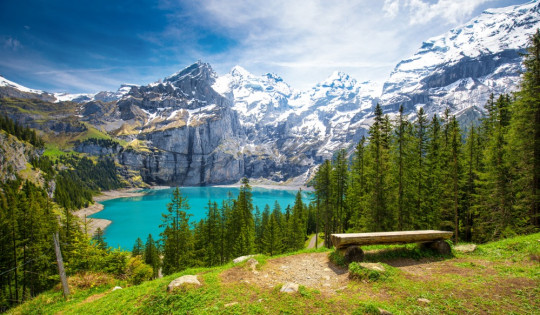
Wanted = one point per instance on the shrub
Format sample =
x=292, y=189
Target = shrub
x=337, y=258
x=137, y=271
x=357, y=272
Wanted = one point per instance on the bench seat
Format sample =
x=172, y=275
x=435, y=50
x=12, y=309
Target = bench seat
x=400, y=237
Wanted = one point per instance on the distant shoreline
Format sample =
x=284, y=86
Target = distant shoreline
x=94, y=223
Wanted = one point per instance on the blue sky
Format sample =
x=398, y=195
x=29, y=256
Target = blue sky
x=89, y=46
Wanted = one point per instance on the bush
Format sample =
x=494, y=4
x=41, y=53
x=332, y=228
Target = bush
x=137, y=271
x=357, y=272
x=337, y=258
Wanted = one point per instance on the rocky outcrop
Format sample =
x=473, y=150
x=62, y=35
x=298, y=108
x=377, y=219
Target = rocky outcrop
x=15, y=157
x=289, y=287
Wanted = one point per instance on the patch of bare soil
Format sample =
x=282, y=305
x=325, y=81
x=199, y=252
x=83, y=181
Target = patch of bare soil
x=313, y=270
x=93, y=298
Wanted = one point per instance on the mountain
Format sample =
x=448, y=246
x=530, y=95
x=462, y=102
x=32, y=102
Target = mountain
x=11, y=89
x=462, y=67
x=178, y=130
x=195, y=127
x=297, y=130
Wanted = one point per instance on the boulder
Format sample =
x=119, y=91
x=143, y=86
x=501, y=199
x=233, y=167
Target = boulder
x=465, y=248
x=242, y=258
x=183, y=280
x=117, y=288
x=289, y=287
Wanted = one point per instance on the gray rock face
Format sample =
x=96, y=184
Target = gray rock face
x=14, y=156
x=8, y=91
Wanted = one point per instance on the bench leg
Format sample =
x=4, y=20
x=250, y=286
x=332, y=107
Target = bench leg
x=353, y=253
x=441, y=247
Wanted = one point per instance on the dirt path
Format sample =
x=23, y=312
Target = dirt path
x=315, y=271
x=312, y=241
x=312, y=270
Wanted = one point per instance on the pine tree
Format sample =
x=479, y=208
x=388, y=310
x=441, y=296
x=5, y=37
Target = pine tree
x=176, y=238
x=265, y=217
x=272, y=238
x=212, y=235
x=100, y=239
x=494, y=199
x=340, y=174
x=151, y=255
x=357, y=195
x=138, y=248
x=456, y=172
x=434, y=166
x=323, y=195
x=420, y=135
x=524, y=140
x=402, y=171
x=298, y=223
x=244, y=224
x=471, y=169
x=380, y=217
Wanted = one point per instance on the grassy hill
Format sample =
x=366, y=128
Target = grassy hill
x=499, y=277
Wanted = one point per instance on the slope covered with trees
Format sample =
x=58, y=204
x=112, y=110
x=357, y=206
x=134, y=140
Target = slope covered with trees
x=482, y=184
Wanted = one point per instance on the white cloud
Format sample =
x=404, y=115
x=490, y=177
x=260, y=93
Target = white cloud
x=422, y=12
x=12, y=44
x=298, y=35
x=391, y=8
x=305, y=41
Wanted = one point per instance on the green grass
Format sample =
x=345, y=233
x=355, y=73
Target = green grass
x=53, y=151
x=499, y=277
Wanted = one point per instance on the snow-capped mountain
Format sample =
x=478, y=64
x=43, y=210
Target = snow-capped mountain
x=11, y=89
x=195, y=127
x=462, y=67
x=104, y=96
x=313, y=122
x=257, y=99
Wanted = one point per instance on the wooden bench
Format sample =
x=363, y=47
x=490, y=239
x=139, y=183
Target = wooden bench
x=349, y=243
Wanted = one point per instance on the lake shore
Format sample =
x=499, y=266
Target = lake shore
x=93, y=223
x=268, y=184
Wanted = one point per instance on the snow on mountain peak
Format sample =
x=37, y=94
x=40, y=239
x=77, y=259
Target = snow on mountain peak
x=8, y=83
x=238, y=71
x=493, y=31
x=340, y=80
x=196, y=70
x=478, y=58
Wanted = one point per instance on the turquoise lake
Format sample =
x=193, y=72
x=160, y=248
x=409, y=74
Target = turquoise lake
x=139, y=216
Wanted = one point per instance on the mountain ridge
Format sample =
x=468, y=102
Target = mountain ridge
x=194, y=120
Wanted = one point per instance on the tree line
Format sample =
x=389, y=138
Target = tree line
x=22, y=133
x=428, y=173
x=231, y=229
x=29, y=217
x=28, y=220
